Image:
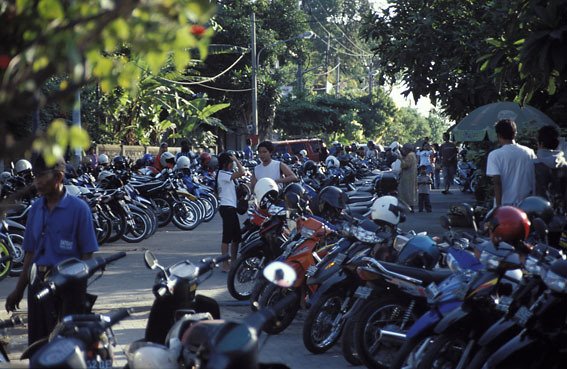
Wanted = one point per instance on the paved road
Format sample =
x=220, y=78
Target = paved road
x=127, y=283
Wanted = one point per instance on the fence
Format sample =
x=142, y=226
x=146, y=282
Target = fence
x=133, y=152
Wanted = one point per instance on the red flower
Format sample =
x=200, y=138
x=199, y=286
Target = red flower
x=4, y=61
x=197, y=30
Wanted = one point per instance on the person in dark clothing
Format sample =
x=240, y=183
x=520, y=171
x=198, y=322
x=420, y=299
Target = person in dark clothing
x=550, y=167
x=423, y=188
x=448, y=153
x=59, y=227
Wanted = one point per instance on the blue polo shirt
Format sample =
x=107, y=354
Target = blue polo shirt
x=66, y=231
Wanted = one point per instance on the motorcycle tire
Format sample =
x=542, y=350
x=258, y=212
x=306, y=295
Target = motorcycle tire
x=271, y=296
x=6, y=265
x=164, y=210
x=245, y=270
x=209, y=209
x=381, y=313
x=105, y=225
x=139, y=231
x=257, y=292
x=186, y=216
x=18, y=253
x=119, y=226
x=444, y=350
x=480, y=357
x=152, y=221
x=347, y=344
x=320, y=332
x=411, y=353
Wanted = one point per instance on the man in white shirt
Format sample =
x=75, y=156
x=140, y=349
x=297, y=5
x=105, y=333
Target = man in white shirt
x=511, y=166
x=270, y=168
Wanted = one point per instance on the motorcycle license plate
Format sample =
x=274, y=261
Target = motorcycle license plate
x=431, y=291
x=522, y=315
x=363, y=292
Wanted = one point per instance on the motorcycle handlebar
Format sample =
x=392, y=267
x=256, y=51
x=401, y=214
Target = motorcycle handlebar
x=114, y=257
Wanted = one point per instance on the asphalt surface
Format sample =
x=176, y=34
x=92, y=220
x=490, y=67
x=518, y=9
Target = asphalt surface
x=128, y=283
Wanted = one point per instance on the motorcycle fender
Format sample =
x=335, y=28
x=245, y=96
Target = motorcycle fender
x=253, y=246
x=514, y=351
x=452, y=320
x=499, y=333
x=14, y=225
x=429, y=320
x=336, y=282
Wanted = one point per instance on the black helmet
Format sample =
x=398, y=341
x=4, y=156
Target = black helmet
x=294, y=188
x=309, y=166
x=537, y=207
x=386, y=184
x=119, y=162
x=419, y=252
x=331, y=201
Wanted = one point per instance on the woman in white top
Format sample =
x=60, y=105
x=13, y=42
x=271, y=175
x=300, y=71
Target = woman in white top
x=269, y=168
x=226, y=190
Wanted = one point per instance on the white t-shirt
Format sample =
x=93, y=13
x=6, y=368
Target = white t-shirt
x=514, y=164
x=424, y=157
x=226, y=189
x=271, y=170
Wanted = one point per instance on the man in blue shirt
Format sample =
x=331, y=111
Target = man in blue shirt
x=59, y=227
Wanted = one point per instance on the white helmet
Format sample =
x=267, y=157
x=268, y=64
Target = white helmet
x=5, y=176
x=394, y=145
x=183, y=162
x=104, y=175
x=332, y=162
x=103, y=159
x=266, y=190
x=166, y=158
x=303, y=153
x=389, y=210
x=22, y=165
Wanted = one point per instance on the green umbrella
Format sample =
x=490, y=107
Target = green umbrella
x=479, y=123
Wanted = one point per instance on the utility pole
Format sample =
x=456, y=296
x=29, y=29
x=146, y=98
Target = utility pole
x=327, y=56
x=76, y=117
x=254, y=74
x=338, y=76
x=299, y=75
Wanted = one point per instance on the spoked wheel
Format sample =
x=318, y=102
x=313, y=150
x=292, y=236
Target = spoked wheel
x=243, y=275
x=209, y=209
x=119, y=225
x=17, y=254
x=271, y=296
x=375, y=350
x=164, y=210
x=257, y=291
x=6, y=260
x=347, y=344
x=321, y=328
x=186, y=215
x=137, y=229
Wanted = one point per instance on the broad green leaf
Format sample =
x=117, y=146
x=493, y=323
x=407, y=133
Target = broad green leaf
x=78, y=138
x=40, y=63
x=121, y=28
x=103, y=67
x=551, y=86
x=156, y=60
x=484, y=65
x=22, y=5
x=50, y=9
x=181, y=58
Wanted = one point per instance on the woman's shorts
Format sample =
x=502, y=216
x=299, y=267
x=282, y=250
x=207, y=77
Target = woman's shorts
x=230, y=224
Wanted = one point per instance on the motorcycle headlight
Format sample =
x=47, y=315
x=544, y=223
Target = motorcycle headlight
x=555, y=282
x=532, y=265
x=399, y=242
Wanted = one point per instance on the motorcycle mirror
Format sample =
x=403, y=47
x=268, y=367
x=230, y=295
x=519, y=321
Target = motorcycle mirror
x=150, y=260
x=280, y=274
x=445, y=222
x=33, y=273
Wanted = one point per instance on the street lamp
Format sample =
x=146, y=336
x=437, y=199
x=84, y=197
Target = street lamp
x=255, y=64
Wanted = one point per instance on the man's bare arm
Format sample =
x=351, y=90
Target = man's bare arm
x=289, y=176
x=497, y=181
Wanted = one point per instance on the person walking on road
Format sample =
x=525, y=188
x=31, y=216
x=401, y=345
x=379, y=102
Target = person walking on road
x=408, y=176
x=59, y=227
x=226, y=189
x=511, y=166
x=449, y=159
x=551, y=168
x=423, y=188
x=270, y=168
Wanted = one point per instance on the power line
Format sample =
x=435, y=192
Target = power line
x=225, y=89
x=207, y=79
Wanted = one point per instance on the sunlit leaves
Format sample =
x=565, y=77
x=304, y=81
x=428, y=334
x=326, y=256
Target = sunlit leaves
x=58, y=137
x=50, y=9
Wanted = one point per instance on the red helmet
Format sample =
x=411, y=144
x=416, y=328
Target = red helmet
x=508, y=224
x=205, y=157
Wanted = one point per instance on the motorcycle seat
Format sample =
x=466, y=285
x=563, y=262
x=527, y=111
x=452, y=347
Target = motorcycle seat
x=426, y=276
x=147, y=187
x=360, y=199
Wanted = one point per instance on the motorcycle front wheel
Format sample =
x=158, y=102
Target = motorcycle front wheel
x=320, y=329
x=444, y=352
x=6, y=265
x=18, y=253
x=242, y=276
x=271, y=296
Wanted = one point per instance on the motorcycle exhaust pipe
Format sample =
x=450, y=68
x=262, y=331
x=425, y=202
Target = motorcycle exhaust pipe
x=393, y=336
